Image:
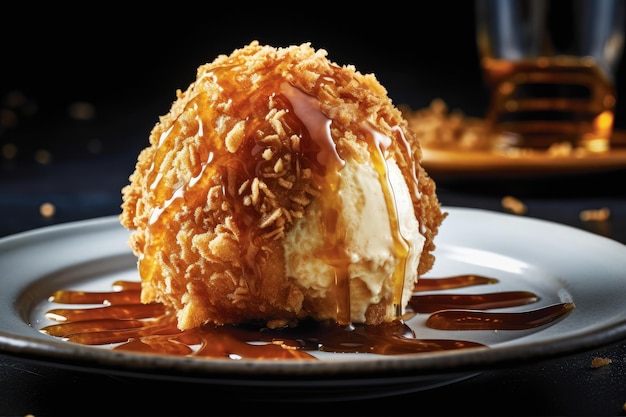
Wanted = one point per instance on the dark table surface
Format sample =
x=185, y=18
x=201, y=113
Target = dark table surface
x=79, y=160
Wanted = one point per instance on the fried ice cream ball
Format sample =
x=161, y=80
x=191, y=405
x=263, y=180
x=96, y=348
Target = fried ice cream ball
x=281, y=186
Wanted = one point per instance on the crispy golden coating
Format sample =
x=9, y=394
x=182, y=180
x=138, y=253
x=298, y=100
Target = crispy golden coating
x=240, y=157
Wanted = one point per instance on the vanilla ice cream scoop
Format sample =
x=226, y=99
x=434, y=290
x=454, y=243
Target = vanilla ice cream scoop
x=281, y=186
x=376, y=255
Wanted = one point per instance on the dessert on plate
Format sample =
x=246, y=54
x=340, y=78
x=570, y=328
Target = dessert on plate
x=281, y=186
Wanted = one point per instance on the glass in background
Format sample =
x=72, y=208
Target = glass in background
x=551, y=69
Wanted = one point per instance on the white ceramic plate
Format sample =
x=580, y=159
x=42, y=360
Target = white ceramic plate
x=557, y=262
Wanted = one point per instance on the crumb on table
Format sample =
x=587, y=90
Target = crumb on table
x=596, y=215
x=599, y=362
x=514, y=205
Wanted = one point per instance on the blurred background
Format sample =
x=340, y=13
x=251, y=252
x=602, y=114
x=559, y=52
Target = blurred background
x=81, y=88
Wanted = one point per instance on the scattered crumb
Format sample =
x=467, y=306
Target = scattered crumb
x=560, y=149
x=43, y=156
x=47, y=209
x=598, y=362
x=9, y=151
x=81, y=110
x=595, y=215
x=514, y=205
x=437, y=127
x=566, y=149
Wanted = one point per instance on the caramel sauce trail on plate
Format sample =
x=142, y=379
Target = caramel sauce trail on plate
x=122, y=321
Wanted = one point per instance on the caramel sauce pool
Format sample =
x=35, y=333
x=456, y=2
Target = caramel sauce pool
x=121, y=320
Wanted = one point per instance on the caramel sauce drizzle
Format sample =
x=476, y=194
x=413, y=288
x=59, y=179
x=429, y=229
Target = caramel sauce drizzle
x=318, y=152
x=378, y=144
x=118, y=318
x=317, y=127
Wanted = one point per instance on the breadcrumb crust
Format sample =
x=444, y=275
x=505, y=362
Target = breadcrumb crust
x=194, y=261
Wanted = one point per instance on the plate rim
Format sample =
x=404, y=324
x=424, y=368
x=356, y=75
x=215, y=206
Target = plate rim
x=59, y=353
x=447, y=163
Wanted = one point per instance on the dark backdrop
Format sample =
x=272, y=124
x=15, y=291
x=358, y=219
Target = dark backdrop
x=127, y=63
